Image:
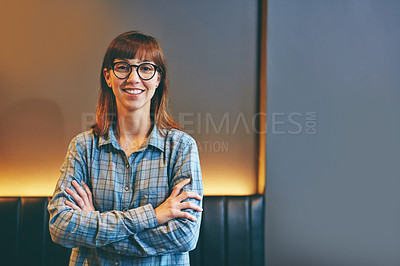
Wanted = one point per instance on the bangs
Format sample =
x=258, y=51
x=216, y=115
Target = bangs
x=136, y=46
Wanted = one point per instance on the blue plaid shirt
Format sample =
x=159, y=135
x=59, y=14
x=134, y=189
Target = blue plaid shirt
x=124, y=230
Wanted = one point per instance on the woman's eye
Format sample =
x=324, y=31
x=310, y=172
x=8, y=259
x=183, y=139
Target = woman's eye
x=146, y=68
x=122, y=68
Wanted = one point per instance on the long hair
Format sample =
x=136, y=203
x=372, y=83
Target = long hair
x=130, y=45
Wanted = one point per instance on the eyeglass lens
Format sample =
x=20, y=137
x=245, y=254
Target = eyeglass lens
x=145, y=70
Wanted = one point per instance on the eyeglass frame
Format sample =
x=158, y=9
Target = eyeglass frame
x=157, y=68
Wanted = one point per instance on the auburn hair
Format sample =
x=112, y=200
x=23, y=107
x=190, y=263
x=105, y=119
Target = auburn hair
x=130, y=45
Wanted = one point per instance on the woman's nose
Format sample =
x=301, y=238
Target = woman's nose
x=133, y=76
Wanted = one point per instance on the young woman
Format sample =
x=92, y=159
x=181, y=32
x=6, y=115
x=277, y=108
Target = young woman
x=130, y=191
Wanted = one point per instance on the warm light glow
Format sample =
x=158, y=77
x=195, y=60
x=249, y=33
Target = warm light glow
x=39, y=185
x=221, y=181
x=28, y=186
x=228, y=189
x=228, y=180
x=38, y=175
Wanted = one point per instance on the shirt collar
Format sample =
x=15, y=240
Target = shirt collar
x=155, y=139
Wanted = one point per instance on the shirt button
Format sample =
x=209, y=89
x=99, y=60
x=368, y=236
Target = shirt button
x=127, y=188
x=116, y=263
x=124, y=209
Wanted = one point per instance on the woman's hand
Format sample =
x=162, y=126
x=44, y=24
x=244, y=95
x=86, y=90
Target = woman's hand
x=84, y=199
x=172, y=207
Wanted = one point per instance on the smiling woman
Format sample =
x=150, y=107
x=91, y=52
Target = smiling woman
x=125, y=49
x=130, y=190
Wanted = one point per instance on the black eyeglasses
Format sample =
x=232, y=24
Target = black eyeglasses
x=146, y=71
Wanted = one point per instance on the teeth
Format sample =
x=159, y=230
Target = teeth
x=133, y=91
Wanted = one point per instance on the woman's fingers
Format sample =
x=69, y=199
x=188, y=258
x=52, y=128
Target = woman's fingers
x=87, y=190
x=187, y=216
x=184, y=196
x=76, y=197
x=190, y=205
x=173, y=206
x=73, y=206
x=83, y=198
x=82, y=193
x=187, y=195
x=179, y=186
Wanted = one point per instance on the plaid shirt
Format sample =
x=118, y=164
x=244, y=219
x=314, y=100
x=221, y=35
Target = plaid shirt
x=124, y=230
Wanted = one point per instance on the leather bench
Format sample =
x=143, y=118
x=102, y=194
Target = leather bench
x=232, y=232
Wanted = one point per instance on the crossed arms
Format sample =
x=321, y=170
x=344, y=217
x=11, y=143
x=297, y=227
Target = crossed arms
x=171, y=227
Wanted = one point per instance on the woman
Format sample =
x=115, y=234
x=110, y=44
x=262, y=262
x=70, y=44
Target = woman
x=130, y=188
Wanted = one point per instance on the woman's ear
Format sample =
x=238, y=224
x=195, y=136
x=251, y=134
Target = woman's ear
x=106, y=74
x=158, y=80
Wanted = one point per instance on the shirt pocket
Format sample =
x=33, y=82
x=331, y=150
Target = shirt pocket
x=154, y=192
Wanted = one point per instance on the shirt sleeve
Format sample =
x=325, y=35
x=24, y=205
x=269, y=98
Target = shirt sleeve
x=178, y=235
x=73, y=228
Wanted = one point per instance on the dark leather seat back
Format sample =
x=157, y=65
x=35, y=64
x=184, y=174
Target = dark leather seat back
x=232, y=232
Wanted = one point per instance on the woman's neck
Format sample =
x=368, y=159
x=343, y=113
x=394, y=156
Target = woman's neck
x=133, y=126
x=133, y=130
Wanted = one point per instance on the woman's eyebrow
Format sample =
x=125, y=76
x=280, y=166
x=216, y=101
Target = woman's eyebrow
x=120, y=60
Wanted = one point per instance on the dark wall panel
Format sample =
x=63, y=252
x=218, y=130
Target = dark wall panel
x=256, y=226
x=9, y=229
x=213, y=231
x=32, y=241
x=238, y=231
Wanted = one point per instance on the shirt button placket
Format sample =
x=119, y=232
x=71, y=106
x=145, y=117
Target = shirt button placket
x=126, y=196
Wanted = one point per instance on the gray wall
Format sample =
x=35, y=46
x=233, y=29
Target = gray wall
x=333, y=145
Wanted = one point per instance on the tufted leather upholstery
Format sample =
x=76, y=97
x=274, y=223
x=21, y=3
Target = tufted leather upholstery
x=232, y=232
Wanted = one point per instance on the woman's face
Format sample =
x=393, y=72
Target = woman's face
x=132, y=93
